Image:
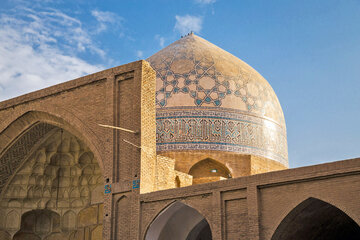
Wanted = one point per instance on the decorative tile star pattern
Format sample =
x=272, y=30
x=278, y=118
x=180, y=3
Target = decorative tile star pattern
x=195, y=74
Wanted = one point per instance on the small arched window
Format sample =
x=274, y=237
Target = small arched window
x=209, y=170
x=177, y=182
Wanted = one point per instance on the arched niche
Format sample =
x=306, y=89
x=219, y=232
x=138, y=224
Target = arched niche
x=177, y=182
x=314, y=219
x=209, y=170
x=179, y=221
x=37, y=224
x=15, y=127
x=58, y=172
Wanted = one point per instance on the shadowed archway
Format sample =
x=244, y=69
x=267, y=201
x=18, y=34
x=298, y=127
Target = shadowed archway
x=209, y=170
x=314, y=219
x=36, y=224
x=55, y=178
x=179, y=222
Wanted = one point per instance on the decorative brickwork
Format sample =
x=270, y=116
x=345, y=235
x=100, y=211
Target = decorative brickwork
x=14, y=155
x=60, y=175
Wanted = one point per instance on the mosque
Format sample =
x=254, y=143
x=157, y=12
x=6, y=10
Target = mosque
x=189, y=144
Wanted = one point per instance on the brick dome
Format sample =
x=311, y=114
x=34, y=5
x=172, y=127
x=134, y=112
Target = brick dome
x=209, y=100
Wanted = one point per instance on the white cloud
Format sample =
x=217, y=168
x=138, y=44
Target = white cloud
x=105, y=18
x=161, y=40
x=39, y=48
x=188, y=23
x=140, y=54
x=205, y=1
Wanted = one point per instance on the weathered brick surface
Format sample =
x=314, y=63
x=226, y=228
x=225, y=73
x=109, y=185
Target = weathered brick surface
x=166, y=175
x=262, y=165
x=239, y=165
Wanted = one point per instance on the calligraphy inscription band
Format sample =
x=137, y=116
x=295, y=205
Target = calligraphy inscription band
x=211, y=130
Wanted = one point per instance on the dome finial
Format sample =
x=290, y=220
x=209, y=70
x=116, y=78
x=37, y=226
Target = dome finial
x=189, y=34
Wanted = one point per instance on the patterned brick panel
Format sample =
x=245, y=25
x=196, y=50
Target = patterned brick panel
x=17, y=152
x=124, y=118
x=236, y=219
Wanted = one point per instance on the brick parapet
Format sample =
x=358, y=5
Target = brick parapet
x=302, y=174
x=262, y=198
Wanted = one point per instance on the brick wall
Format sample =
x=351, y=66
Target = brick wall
x=121, y=96
x=253, y=207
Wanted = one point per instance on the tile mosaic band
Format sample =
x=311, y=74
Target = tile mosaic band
x=193, y=129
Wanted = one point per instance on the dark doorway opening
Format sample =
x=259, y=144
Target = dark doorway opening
x=314, y=219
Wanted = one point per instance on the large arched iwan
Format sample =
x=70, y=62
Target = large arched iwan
x=51, y=170
x=179, y=221
x=314, y=219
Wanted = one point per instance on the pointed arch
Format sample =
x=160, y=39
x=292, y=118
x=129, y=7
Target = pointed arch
x=25, y=134
x=69, y=220
x=209, y=170
x=178, y=221
x=177, y=182
x=316, y=219
x=18, y=124
x=38, y=223
x=12, y=220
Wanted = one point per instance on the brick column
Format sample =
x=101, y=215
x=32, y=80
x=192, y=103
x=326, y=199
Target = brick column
x=216, y=226
x=108, y=167
x=253, y=212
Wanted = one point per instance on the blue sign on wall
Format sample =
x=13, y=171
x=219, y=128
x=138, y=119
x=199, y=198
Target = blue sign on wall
x=107, y=188
x=136, y=184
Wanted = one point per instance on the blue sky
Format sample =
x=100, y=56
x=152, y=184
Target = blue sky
x=308, y=50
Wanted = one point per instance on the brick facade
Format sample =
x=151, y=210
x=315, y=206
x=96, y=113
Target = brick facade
x=244, y=207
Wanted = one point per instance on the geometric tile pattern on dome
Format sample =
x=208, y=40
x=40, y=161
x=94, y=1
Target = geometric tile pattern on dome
x=209, y=76
x=190, y=129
